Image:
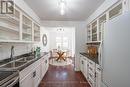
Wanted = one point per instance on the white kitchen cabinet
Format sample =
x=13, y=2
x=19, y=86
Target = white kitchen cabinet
x=116, y=10
x=43, y=68
x=84, y=66
x=37, y=76
x=98, y=76
x=33, y=74
x=36, y=35
x=27, y=81
x=10, y=26
x=32, y=79
x=91, y=73
x=81, y=64
x=26, y=28
x=95, y=29
x=18, y=27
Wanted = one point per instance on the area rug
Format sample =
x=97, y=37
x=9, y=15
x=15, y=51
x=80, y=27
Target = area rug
x=61, y=62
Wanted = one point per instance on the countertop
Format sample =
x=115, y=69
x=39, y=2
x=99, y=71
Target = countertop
x=26, y=64
x=4, y=74
x=41, y=55
x=93, y=59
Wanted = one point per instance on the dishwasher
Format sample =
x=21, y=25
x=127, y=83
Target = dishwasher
x=9, y=79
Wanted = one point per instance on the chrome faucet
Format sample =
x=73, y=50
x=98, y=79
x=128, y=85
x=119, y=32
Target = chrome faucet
x=12, y=53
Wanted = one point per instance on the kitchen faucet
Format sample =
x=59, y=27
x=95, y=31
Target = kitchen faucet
x=12, y=53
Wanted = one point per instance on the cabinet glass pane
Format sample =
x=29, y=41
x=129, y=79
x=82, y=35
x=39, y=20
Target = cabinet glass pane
x=89, y=33
x=94, y=31
x=9, y=26
x=27, y=29
x=36, y=33
x=102, y=20
x=115, y=11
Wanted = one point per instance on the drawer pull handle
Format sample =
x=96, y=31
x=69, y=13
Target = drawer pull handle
x=90, y=68
x=90, y=63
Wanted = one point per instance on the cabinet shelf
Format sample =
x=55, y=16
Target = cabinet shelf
x=26, y=26
x=11, y=19
x=26, y=33
x=18, y=27
x=6, y=27
x=36, y=30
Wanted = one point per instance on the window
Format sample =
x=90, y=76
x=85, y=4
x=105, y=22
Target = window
x=62, y=42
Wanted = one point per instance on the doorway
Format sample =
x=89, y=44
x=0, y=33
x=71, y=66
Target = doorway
x=63, y=38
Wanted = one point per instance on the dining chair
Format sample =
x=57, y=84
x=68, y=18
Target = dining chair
x=54, y=54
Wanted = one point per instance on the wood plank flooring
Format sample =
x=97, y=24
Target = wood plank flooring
x=63, y=76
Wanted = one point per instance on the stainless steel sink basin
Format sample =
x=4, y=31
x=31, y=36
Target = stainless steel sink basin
x=26, y=59
x=17, y=63
x=13, y=65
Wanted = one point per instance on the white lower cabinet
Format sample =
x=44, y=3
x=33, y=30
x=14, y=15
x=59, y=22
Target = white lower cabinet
x=27, y=81
x=44, y=65
x=91, y=71
x=37, y=76
x=81, y=64
x=84, y=65
x=33, y=74
x=98, y=76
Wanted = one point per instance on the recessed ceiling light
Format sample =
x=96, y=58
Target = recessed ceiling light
x=62, y=7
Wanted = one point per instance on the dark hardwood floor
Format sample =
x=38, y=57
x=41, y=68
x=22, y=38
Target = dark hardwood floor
x=63, y=76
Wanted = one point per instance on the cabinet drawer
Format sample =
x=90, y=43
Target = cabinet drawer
x=98, y=68
x=91, y=76
x=91, y=63
x=92, y=69
x=91, y=82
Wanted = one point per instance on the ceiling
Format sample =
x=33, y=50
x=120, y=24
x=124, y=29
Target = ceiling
x=76, y=10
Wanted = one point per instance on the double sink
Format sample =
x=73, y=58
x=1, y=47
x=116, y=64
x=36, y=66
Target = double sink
x=15, y=64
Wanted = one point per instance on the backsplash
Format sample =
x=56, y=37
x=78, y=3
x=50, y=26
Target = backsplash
x=19, y=48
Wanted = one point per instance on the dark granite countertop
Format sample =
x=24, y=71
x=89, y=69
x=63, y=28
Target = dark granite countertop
x=4, y=74
x=24, y=65
x=93, y=59
x=41, y=55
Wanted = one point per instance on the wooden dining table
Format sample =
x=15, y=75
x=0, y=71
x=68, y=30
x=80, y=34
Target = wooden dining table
x=60, y=56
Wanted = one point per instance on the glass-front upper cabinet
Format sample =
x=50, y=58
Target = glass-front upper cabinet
x=94, y=31
x=26, y=28
x=102, y=21
x=10, y=26
x=89, y=33
x=36, y=32
x=116, y=10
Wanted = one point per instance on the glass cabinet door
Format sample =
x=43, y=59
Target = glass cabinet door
x=26, y=29
x=10, y=26
x=102, y=21
x=89, y=35
x=36, y=32
x=94, y=31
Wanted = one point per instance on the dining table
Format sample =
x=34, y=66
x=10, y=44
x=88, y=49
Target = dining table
x=61, y=56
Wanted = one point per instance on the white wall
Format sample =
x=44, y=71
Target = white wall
x=80, y=33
